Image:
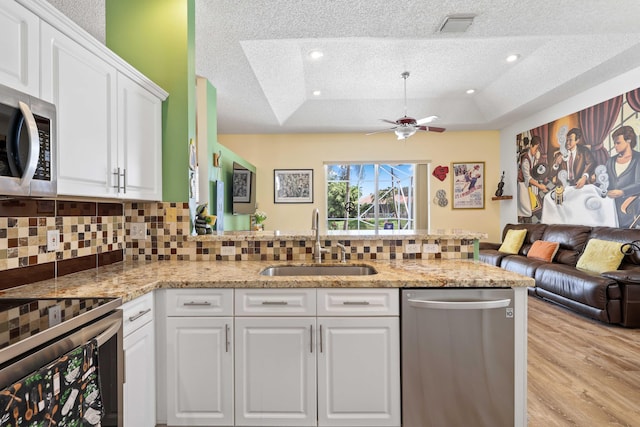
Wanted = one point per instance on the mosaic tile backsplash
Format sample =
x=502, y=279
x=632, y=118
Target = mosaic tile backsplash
x=96, y=233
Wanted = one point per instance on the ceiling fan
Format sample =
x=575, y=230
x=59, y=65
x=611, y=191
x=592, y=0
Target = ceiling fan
x=407, y=126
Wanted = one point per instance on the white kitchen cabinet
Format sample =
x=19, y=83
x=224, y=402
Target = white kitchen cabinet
x=359, y=371
x=83, y=88
x=19, y=48
x=358, y=357
x=139, y=353
x=139, y=146
x=275, y=371
x=199, y=351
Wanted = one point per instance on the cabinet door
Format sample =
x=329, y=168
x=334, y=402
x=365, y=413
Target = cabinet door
x=359, y=371
x=83, y=88
x=199, y=371
x=19, y=65
x=139, y=141
x=140, y=376
x=275, y=371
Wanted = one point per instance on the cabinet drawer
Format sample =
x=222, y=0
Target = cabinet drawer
x=137, y=313
x=200, y=302
x=275, y=302
x=358, y=302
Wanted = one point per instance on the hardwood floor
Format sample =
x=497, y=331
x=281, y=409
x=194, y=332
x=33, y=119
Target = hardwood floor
x=580, y=372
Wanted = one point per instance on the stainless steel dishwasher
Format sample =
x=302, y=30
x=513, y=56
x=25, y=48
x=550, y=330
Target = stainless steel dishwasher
x=457, y=357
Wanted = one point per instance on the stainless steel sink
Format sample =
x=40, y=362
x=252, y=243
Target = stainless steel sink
x=319, y=270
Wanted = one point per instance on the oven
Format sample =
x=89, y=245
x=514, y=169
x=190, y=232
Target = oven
x=27, y=145
x=61, y=362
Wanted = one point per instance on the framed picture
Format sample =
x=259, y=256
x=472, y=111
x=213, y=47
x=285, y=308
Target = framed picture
x=293, y=186
x=468, y=185
x=241, y=186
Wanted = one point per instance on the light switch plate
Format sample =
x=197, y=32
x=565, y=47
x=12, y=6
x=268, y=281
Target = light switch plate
x=138, y=230
x=55, y=315
x=228, y=250
x=430, y=248
x=412, y=248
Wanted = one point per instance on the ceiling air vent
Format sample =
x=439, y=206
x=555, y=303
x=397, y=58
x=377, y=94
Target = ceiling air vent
x=456, y=23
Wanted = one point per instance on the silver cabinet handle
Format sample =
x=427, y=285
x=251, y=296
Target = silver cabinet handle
x=226, y=337
x=320, y=338
x=139, y=315
x=34, y=145
x=197, y=303
x=275, y=302
x=311, y=338
x=459, y=305
x=117, y=174
x=124, y=181
x=355, y=302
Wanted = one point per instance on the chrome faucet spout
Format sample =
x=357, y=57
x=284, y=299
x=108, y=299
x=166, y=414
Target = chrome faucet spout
x=317, y=247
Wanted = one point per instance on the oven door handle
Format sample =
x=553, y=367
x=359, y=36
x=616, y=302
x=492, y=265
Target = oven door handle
x=106, y=335
x=34, y=145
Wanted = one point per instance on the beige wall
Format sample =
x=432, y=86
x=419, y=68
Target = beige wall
x=311, y=151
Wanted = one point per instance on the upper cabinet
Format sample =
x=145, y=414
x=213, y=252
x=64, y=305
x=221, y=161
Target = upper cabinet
x=109, y=116
x=83, y=88
x=19, y=48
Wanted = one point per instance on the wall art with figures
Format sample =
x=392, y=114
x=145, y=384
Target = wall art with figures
x=583, y=168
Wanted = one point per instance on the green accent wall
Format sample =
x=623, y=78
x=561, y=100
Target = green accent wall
x=158, y=38
x=225, y=171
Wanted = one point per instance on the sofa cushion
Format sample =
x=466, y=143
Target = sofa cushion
x=622, y=235
x=512, y=241
x=534, y=232
x=600, y=256
x=572, y=239
x=587, y=288
x=491, y=256
x=521, y=264
x=543, y=250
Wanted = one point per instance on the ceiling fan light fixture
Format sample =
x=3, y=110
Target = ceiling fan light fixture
x=404, y=132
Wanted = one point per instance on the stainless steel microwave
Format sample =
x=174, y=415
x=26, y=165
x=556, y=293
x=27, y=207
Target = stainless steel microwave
x=27, y=145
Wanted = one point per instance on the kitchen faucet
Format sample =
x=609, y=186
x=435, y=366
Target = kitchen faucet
x=317, y=247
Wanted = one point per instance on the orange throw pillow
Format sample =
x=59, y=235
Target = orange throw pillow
x=543, y=250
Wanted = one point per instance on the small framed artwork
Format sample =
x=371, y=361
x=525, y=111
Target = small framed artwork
x=293, y=186
x=241, y=186
x=468, y=185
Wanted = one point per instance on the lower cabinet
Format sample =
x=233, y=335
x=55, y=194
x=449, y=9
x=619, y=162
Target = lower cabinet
x=140, y=369
x=199, y=357
x=296, y=357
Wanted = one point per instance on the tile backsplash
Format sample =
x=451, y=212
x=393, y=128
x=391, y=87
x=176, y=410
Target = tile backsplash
x=99, y=233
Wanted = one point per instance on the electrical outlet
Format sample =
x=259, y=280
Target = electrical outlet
x=412, y=248
x=228, y=250
x=430, y=248
x=55, y=315
x=53, y=240
x=138, y=230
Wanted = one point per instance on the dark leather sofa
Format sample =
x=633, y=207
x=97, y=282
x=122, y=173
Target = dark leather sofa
x=612, y=296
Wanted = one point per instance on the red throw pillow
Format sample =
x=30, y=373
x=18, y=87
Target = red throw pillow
x=543, y=250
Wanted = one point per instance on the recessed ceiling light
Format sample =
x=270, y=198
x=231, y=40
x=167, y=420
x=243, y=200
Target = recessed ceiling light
x=316, y=54
x=317, y=93
x=513, y=58
x=470, y=91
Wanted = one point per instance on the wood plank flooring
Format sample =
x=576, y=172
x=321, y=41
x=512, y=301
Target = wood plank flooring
x=580, y=372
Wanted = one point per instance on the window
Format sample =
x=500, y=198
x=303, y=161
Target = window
x=370, y=196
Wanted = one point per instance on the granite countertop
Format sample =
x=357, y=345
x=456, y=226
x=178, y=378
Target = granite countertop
x=131, y=280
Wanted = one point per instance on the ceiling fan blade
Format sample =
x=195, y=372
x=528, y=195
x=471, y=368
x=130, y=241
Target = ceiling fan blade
x=431, y=128
x=393, y=122
x=380, y=131
x=426, y=120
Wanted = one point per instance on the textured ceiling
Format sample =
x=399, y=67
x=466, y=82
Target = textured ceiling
x=256, y=54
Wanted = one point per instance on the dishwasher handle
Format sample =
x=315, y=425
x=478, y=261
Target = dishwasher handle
x=459, y=305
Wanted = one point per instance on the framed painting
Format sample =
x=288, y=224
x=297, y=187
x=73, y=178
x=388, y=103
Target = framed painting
x=293, y=186
x=468, y=185
x=241, y=186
